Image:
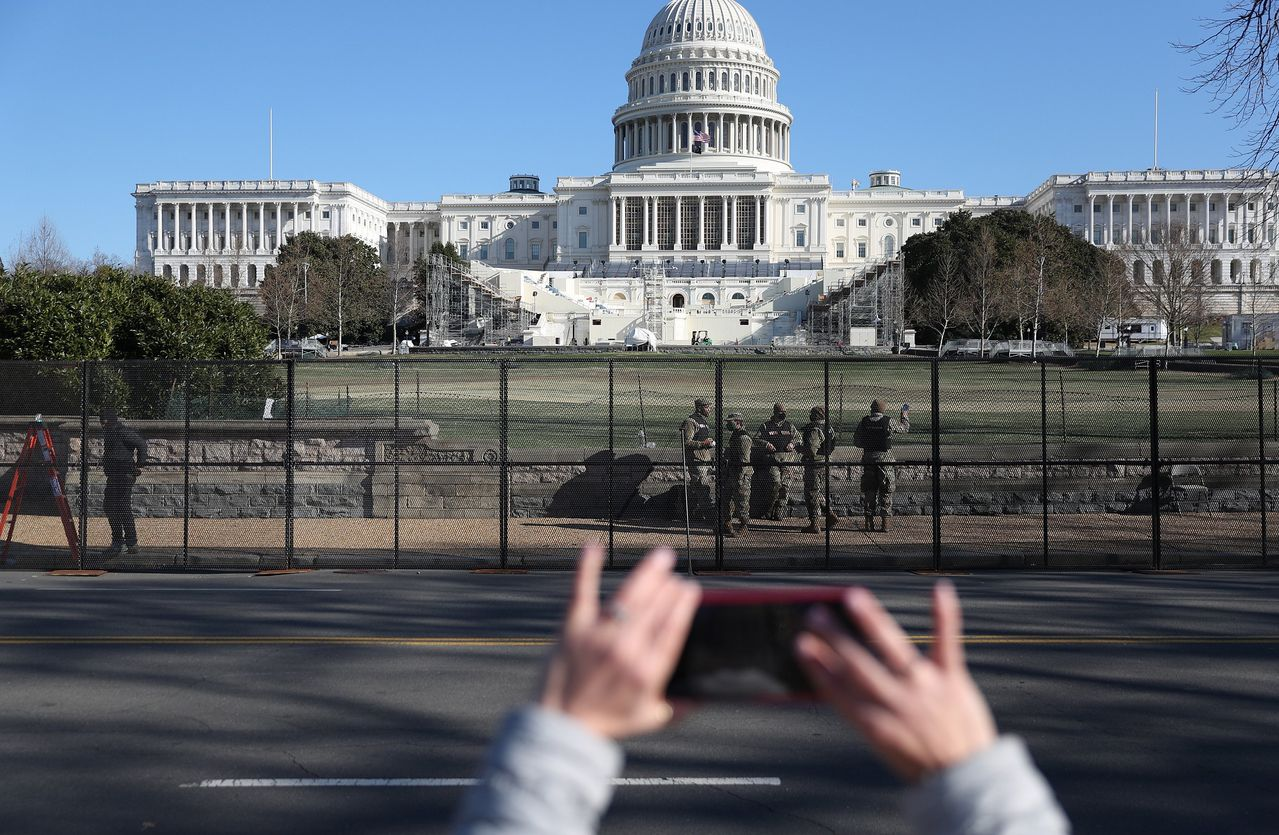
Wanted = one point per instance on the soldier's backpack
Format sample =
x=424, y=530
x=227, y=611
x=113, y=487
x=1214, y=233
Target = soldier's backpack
x=876, y=435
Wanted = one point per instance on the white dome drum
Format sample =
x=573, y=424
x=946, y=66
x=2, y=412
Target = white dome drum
x=702, y=94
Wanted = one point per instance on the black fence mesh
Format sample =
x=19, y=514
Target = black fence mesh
x=479, y=462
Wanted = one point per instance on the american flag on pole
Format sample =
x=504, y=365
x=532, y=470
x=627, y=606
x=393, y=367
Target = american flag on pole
x=701, y=136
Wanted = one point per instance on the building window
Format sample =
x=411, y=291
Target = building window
x=535, y=251
x=685, y=80
x=1252, y=207
x=484, y=252
x=661, y=84
x=464, y=249
x=888, y=221
x=839, y=250
x=537, y=224
x=1194, y=207
x=708, y=299
x=840, y=222
x=325, y=215
x=801, y=238
x=861, y=221
x=1174, y=206
x=484, y=224
x=510, y=224
x=937, y=221
x=861, y=250
x=1079, y=209
x=509, y=253
x=915, y=221
x=555, y=224
x=581, y=240
x=581, y=210
x=801, y=209
x=464, y=224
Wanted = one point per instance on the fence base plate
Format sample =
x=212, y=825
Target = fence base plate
x=714, y=573
x=1162, y=571
x=499, y=570
x=276, y=572
x=928, y=572
x=75, y=572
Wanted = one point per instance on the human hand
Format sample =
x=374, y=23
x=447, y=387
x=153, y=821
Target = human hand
x=920, y=714
x=710, y=442
x=770, y=447
x=611, y=667
x=790, y=447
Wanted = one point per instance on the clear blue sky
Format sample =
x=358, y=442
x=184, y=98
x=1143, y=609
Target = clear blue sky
x=417, y=99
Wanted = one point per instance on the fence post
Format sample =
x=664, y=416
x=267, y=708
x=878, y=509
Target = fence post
x=826, y=458
x=936, y=404
x=611, y=455
x=1043, y=448
x=86, y=368
x=716, y=523
x=290, y=415
x=186, y=466
x=1261, y=461
x=395, y=467
x=504, y=466
x=1155, y=469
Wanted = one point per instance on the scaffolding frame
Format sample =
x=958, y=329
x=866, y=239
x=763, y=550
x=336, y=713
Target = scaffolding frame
x=460, y=306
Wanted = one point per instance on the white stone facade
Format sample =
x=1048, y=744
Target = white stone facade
x=702, y=185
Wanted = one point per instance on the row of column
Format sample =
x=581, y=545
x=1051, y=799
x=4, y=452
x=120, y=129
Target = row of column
x=729, y=133
x=730, y=207
x=1224, y=215
x=209, y=212
x=409, y=229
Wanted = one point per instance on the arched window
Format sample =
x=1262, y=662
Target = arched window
x=890, y=246
x=723, y=81
x=1236, y=271
x=707, y=300
x=1254, y=271
x=650, y=85
x=685, y=87
x=710, y=79
x=619, y=297
x=661, y=84
x=757, y=85
x=739, y=297
x=1157, y=273
x=674, y=85
x=699, y=79
x=508, y=249
x=677, y=301
x=737, y=82
x=253, y=275
x=1216, y=271
x=1139, y=272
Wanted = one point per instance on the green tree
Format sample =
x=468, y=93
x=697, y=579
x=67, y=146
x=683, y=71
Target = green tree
x=344, y=284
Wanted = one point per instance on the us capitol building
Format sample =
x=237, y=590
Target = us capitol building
x=702, y=226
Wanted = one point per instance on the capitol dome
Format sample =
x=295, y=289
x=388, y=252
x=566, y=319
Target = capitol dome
x=702, y=94
x=703, y=20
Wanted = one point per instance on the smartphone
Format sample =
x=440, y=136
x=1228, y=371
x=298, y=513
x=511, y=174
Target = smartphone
x=905, y=407
x=741, y=647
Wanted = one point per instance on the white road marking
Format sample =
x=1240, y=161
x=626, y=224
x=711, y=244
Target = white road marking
x=455, y=782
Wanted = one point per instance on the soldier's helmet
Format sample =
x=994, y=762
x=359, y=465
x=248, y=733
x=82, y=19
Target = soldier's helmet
x=735, y=417
x=779, y=408
x=816, y=413
x=701, y=403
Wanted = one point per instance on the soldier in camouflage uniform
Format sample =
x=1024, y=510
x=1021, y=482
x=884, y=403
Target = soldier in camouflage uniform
x=777, y=438
x=874, y=436
x=699, y=456
x=737, y=474
x=812, y=444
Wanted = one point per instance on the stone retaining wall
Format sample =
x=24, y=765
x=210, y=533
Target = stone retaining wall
x=346, y=471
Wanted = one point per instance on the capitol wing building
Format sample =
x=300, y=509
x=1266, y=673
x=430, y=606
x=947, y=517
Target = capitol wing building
x=702, y=228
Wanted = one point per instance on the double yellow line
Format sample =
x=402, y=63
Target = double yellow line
x=518, y=642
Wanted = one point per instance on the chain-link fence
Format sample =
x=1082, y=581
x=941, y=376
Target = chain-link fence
x=480, y=462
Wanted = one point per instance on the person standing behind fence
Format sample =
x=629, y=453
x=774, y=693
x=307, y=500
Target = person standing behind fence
x=124, y=454
x=815, y=448
x=777, y=437
x=874, y=436
x=737, y=476
x=699, y=457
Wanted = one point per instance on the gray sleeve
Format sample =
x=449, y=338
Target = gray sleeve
x=900, y=424
x=136, y=443
x=996, y=792
x=545, y=775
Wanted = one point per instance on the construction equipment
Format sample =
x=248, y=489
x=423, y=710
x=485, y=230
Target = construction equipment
x=38, y=438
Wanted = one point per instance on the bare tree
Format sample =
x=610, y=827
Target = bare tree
x=1239, y=60
x=42, y=250
x=1104, y=298
x=280, y=292
x=986, y=287
x=1172, y=284
x=401, y=291
x=940, y=305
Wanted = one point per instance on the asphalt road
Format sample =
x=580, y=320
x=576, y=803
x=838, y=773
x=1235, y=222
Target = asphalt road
x=1148, y=700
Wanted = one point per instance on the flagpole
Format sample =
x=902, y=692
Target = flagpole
x=270, y=141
